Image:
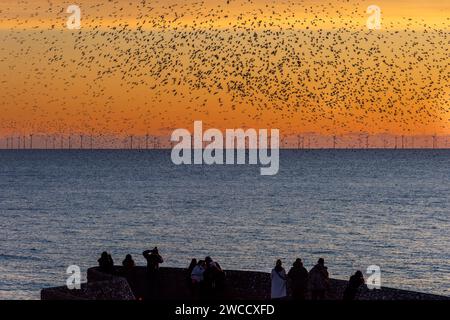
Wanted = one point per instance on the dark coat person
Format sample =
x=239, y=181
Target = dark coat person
x=153, y=260
x=355, y=282
x=319, y=280
x=106, y=263
x=298, y=277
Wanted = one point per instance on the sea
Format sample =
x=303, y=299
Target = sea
x=354, y=208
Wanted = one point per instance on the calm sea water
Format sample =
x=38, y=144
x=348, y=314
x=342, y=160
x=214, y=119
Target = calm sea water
x=354, y=208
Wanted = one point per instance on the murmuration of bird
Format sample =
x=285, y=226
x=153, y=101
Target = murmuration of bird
x=147, y=67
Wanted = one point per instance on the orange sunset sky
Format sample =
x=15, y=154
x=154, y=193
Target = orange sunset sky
x=148, y=67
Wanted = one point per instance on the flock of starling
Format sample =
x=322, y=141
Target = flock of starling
x=167, y=61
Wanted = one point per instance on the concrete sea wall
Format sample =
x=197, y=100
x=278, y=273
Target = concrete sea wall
x=239, y=285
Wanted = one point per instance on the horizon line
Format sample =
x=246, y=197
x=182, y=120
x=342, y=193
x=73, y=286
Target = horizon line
x=166, y=148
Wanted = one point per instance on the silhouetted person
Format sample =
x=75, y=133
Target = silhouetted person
x=196, y=277
x=189, y=271
x=279, y=279
x=353, y=285
x=153, y=260
x=198, y=271
x=298, y=276
x=318, y=280
x=191, y=266
x=106, y=263
x=129, y=272
x=213, y=277
x=128, y=263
